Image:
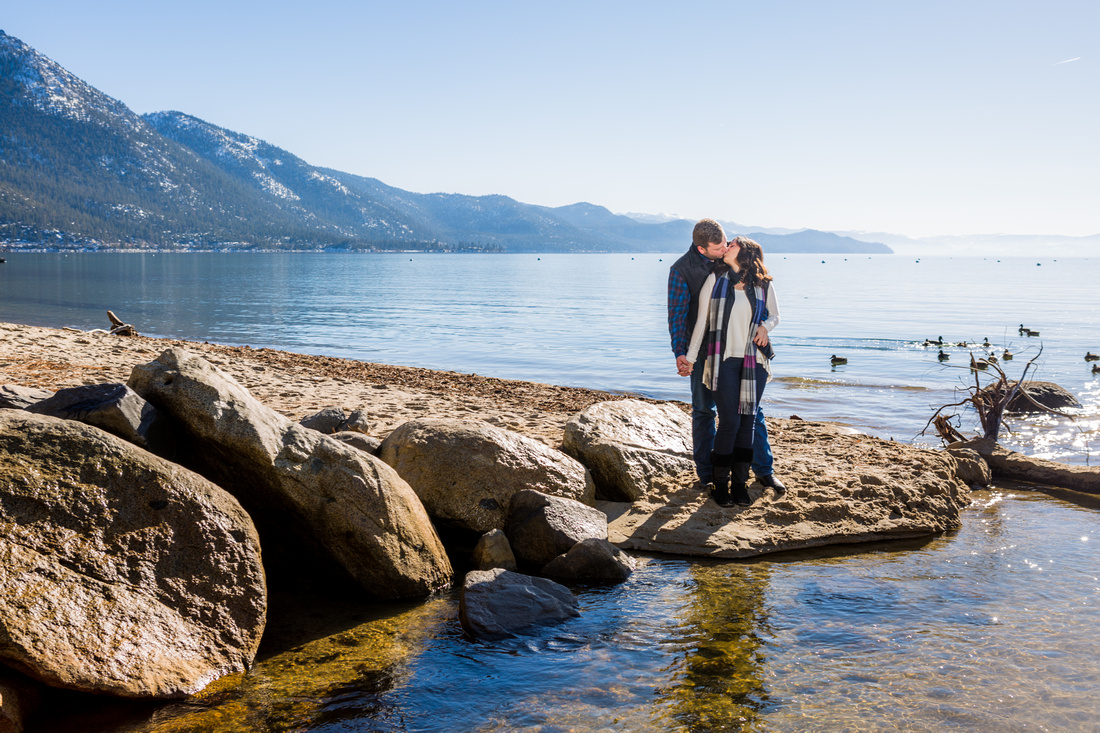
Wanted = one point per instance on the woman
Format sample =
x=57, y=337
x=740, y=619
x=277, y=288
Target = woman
x=737, y=310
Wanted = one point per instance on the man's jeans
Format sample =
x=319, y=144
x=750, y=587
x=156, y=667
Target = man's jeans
x=703, y=430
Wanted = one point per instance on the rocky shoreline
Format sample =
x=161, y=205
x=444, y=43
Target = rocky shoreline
x=557, y=482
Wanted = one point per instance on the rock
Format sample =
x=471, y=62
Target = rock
x=19, y=698
x=591, y=560
x=541, y=527
x=498, y=603
x=327, y=420
x=631, y=447
x=840, y=489
x=299, y=485
x=113, y=407
x=120, y=572
x=466, y=471
x=1007, y=464
x=366, y=443
x=493, y=551
x=1047, y=394
x=334, y=420
x=972, y=468
x=17, y=397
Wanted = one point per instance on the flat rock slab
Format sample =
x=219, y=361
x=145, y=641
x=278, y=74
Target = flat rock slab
x=842, y=488
x=120, y=573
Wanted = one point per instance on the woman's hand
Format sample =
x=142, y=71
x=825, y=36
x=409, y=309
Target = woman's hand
x=761, y=337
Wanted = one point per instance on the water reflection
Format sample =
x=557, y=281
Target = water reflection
x=717, y=675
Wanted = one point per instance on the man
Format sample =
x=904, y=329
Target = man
x=685, y=278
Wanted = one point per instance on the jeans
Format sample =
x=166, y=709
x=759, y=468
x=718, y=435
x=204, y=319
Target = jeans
x=734, y=429
x=703, y=411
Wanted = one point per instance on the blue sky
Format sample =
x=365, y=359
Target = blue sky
x=916, y=118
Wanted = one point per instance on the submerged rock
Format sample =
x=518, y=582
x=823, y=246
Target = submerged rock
x=498, y=603
x=631, y=447
x=304, y=489
x=120, y=573
x=466, y=471
x=1047, y=394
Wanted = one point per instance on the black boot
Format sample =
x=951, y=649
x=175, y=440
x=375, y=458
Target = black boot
x=721, y=493
x=742, y=459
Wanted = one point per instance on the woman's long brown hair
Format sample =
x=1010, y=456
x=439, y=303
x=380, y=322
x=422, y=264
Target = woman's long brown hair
x=751, y=261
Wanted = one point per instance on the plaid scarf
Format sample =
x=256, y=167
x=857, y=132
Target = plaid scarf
x=721, y=302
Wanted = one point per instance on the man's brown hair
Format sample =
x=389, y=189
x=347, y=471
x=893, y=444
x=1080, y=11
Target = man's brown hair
x=707, y=231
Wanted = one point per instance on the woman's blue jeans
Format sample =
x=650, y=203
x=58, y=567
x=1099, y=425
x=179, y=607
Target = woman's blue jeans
x=734, y=429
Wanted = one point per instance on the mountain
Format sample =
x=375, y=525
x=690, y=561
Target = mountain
x=80, y=169
x=811, y=240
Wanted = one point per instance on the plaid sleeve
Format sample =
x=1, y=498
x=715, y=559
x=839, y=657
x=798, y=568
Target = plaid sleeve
x=679, y=299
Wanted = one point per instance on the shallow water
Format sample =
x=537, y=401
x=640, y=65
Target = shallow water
x=988, y=628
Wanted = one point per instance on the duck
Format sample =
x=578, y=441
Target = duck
x=1029, y=332
x=962, y=344
x=835, y=360
x=991, y=358
x=1096, y=368
x=986, y=343
x=1089, y=356
x=1023, y=329
x=979, y=364
x=942, y=356
x=1007, y=356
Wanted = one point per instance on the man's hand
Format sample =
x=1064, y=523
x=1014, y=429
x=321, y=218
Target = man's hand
x=683, y=366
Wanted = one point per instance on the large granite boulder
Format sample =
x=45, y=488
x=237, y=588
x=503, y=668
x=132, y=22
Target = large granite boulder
x=541, y=527
x=631, y=447
x=591, y=560
x=18, y=397
x=841, y=488
x=466, y=471
x=120, y=572
x=498, y=603
x=304, y=489
x=113, y=407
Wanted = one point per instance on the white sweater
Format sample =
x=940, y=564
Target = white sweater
x=737, y=328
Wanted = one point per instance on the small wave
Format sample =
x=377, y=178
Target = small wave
x=810, y=383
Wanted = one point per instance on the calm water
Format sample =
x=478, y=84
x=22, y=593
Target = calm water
x=991, y=628
x=600, y=321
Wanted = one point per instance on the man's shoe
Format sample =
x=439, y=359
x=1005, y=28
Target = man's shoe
x=773, y=482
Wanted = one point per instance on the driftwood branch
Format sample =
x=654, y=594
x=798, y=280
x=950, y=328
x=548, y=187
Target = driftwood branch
x=118, y=328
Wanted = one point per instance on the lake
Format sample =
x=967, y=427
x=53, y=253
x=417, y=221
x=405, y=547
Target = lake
x=987, y=628
x=600, y=321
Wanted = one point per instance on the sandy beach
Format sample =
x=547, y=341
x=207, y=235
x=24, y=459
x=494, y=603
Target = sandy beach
x=297, y=385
